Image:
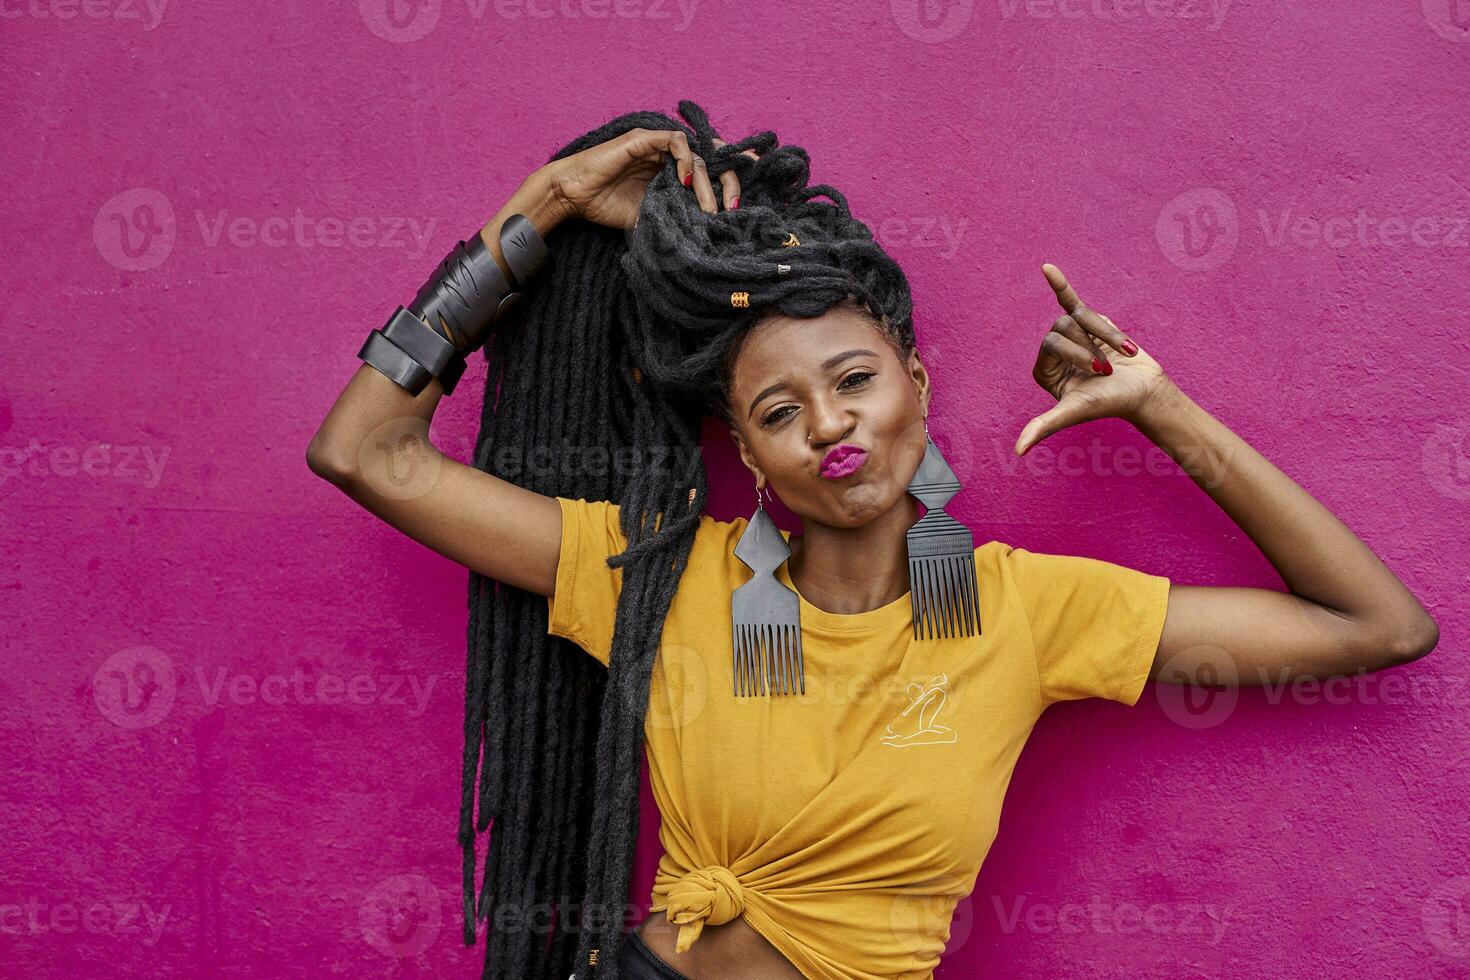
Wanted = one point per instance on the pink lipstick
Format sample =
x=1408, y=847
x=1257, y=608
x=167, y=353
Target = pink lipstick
x=842, y=461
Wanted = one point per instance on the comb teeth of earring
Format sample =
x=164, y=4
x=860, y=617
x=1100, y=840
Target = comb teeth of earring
x=768, y=659
x=945, y=601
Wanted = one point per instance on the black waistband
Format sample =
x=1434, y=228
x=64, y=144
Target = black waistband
x=636, y=961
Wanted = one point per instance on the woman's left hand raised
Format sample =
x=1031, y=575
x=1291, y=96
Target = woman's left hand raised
x=1074, y=366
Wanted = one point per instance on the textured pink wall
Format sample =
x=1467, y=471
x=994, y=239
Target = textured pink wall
x=233, y=719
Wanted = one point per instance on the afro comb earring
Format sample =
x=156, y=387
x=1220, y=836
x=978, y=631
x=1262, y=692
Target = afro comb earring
x=943, y=585
x=766, y=615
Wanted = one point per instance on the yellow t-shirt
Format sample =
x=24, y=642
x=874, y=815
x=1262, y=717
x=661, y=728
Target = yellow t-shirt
x=845, y=824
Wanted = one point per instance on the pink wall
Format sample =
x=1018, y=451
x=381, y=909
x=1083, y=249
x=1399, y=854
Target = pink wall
x=293, y=768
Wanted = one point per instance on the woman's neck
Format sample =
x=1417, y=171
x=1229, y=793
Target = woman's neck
x=854, y=570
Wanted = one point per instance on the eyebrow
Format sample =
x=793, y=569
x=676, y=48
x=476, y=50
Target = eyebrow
x=827, y=365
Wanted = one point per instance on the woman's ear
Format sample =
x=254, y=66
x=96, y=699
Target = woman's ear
x=920, y=378
x=746, y=458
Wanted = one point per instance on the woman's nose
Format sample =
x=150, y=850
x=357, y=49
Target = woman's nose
x=829, y=425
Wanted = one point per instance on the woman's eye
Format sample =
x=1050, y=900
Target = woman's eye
x=780, y=413
x=775, y=416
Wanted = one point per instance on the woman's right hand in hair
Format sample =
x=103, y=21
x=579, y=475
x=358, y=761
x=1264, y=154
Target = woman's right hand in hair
x=605, y=183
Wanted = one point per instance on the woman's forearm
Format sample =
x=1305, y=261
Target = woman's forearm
x=352, y=433
x=1318, y=557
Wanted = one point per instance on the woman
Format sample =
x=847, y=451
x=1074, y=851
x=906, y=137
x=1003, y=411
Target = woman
x=826, y=829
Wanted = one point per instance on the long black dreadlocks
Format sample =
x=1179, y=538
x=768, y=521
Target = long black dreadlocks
x=627, y=340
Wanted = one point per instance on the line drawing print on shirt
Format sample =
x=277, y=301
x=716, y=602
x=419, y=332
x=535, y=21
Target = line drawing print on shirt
x=925, y=701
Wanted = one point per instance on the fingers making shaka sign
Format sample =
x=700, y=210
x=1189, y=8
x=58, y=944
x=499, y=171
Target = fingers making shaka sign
x=1090, y=366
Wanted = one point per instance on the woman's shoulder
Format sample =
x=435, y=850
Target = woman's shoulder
x=1013, y=556
x=715, y=535
x=1053, y=575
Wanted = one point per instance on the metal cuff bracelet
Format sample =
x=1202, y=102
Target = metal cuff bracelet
x=456, y=310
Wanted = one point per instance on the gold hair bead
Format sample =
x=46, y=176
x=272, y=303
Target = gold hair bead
x=592, y=958
x=791, y=239
x=692, y=493
x=740, y=299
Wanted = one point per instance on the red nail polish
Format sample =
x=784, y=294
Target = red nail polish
x=1130, y=348
x=734, y=203
x=688, y=179
x=1107, y=367
x=1096, y=366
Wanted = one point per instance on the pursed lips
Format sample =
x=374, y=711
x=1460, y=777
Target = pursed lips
x=839, y=453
